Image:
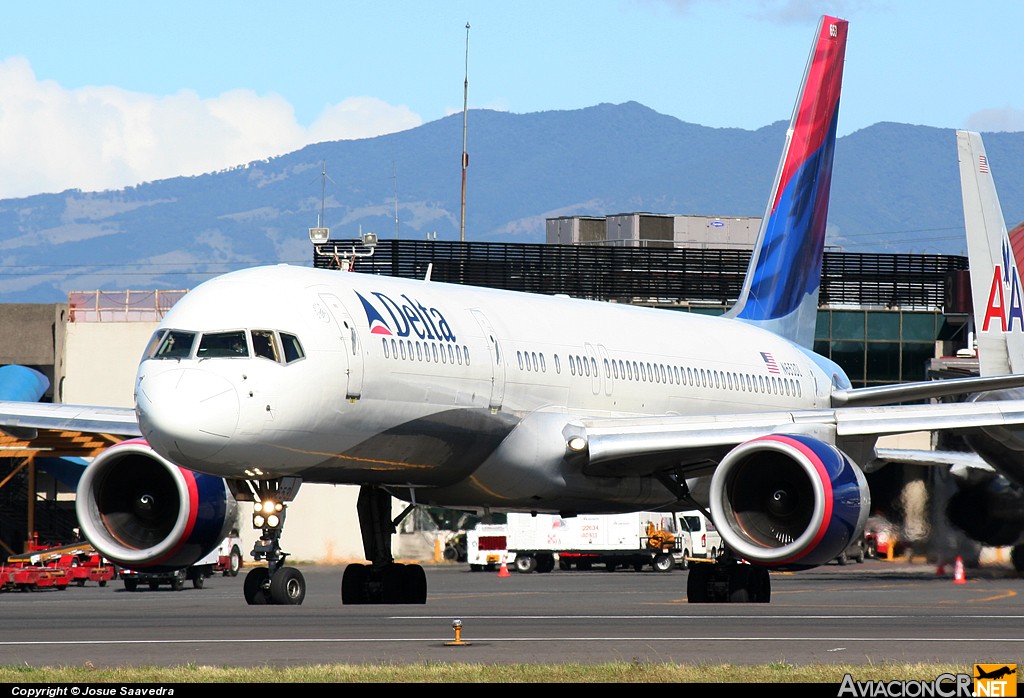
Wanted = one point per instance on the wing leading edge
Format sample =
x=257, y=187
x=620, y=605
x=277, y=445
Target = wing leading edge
x=119, y=421
x=641, y=445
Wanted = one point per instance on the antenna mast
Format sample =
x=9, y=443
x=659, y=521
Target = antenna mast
x=394, y=177
x=465, y=155
x=323, y=191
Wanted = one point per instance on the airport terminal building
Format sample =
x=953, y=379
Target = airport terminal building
x=883, y=317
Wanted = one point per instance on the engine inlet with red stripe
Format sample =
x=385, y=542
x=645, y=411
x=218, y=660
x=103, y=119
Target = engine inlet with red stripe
x=788, y=501
x=139, y=510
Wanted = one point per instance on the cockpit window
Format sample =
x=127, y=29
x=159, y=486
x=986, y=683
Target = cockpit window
x=279, y=347
x=154, y=344
x=292, y=348
x=264, y=344
x=223, y=344
x=174, y=344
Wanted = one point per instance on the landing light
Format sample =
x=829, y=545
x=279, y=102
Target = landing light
x=577, y=443
x=258, y=521
x=273, y=521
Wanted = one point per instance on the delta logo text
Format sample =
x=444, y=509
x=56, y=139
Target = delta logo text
x=987, y=680
x=405, y=317
x=1004, y=303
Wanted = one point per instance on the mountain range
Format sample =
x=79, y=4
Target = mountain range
x=895, y=188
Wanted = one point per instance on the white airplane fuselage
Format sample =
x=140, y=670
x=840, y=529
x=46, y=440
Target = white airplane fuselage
x=420, y=384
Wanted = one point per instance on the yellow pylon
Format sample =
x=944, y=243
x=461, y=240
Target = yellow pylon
x=457, y=627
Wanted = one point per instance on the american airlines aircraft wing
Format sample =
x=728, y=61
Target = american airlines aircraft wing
x=120, y=421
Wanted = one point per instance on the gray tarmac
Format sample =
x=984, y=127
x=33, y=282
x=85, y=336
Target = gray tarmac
x=879, y=612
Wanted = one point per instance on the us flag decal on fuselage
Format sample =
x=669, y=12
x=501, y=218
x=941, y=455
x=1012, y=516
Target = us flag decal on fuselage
x=769, y=361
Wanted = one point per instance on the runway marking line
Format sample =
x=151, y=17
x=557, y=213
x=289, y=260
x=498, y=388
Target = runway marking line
x=439, y=639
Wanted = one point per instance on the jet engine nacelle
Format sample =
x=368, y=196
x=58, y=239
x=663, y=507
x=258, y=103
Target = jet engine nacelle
x=990, y=512
x=788, y=501
x=1002, y=447
x=141, y=511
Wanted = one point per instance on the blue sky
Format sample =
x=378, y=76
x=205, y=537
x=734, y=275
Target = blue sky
x=101, y=95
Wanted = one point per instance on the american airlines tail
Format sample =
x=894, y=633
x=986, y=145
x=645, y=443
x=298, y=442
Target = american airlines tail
x=995, y=281
x=781, y=289
x=990, y=509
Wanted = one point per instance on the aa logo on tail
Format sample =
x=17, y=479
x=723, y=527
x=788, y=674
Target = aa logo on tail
x=1004, y=296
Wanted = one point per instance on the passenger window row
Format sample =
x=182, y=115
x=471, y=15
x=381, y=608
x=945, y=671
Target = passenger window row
x=436, y=352
x=531, y=361
x=647, y=372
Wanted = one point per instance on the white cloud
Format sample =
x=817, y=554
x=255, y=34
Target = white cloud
x=96, y=138
x=361, y=117
x=1005, y=119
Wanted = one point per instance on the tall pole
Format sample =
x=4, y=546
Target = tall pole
x=394, y=176
x=465, y=155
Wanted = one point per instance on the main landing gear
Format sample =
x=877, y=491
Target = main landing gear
x=727, y=580
x=274, y=584
x=723, y=578
x=382, y=581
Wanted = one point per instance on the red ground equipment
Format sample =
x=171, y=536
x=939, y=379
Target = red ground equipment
x=54, y=567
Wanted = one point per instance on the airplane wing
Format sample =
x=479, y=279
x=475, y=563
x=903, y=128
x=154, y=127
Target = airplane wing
x=958, y=462
x=641, y=445
x=923, y=390
x=21, y=417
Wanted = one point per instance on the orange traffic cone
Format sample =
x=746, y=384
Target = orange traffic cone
x=958, y=571
x=503, y=572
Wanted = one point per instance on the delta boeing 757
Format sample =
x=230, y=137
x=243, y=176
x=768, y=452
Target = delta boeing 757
x=494, y=401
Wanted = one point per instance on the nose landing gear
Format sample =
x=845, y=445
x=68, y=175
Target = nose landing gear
x=274, y=584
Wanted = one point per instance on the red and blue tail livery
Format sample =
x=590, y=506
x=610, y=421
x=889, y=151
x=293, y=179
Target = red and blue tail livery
x=781, y=288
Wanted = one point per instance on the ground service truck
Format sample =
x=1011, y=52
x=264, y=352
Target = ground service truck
x=637, y=540
x=487, y=547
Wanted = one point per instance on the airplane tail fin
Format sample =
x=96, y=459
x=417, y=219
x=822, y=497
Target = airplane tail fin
x=995, y=281
x=780, y=292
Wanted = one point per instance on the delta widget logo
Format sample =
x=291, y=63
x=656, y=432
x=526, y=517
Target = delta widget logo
x=404, y=318
x=377, y=324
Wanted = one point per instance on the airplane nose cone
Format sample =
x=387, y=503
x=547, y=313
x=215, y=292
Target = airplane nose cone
x=187, y=414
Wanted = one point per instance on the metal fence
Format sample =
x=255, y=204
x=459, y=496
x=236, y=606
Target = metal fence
x=647, y=275
x=120, y=306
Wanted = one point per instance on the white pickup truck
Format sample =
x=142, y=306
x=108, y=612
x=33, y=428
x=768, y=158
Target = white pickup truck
x=705, y=540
